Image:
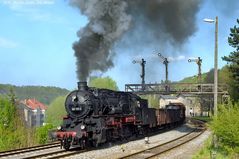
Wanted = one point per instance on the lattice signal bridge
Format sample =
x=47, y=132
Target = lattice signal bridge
x=176, y=88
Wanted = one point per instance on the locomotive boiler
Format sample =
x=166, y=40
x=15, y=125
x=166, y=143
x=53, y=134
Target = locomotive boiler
x=96, y=116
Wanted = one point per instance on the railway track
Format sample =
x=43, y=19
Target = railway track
x=157, y=150
x=8, y=154
x=56, y=154
x=42, y=151
x=53, y=151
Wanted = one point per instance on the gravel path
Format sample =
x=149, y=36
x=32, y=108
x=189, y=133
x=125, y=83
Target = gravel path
x=116, y=151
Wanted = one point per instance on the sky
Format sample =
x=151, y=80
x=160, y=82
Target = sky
x=36, y=39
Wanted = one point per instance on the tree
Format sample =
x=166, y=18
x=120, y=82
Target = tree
x=233, y=59
x=12, y=130
x=210, y=76
x=43, y=94
x=224, y=75
x=56, y=111
x=103, y=82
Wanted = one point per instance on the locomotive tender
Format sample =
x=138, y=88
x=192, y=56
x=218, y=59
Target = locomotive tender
x=96, y=116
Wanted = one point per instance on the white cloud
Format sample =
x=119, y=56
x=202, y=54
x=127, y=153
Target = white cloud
x=177, y=58
x=28, y=2
x=5, y=43
x=33, y=12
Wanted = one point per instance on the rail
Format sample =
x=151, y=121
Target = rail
x=29, y=149
x=160, y=149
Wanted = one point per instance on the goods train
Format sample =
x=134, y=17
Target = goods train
x=97, y=116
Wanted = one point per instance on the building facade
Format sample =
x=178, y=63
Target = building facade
x=33, y=112
x=191, y=107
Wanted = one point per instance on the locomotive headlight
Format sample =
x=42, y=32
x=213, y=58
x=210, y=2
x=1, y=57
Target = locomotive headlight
x=59, y=128
x=82, y=127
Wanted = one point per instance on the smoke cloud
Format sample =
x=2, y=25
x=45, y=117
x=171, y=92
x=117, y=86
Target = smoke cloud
x=107, y=23
x=110, y=19
x=171, y=19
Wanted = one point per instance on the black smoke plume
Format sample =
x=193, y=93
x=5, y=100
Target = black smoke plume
x=110, y=19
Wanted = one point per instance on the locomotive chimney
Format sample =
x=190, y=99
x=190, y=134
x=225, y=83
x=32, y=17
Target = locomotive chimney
x=82, y=86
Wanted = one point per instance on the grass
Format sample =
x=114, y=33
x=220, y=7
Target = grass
x=203, y=118
x=207, y=151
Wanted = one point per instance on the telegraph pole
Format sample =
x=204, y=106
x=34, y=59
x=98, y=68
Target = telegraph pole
x=215, y=75
x=215, y=66
x=215, y=61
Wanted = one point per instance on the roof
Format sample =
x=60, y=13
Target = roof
x=168, y=97
x=176, y=104
x=2, y=91
x=34, y=104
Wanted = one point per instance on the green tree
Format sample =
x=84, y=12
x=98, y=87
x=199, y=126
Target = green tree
x=224, y=75
x=103, y=82
x=233, y=59
x=210, y=77
x=12, y=130
x=56, y=111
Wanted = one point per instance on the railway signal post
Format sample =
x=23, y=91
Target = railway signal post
x=199, y=63
x=165, y=62
x=142, y=63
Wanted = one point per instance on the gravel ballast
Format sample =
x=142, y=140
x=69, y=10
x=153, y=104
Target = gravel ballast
x=120, y=150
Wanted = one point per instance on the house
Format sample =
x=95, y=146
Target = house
x=3, y=92
x=33, y=112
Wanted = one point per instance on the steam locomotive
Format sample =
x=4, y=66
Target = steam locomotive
x=96, y=116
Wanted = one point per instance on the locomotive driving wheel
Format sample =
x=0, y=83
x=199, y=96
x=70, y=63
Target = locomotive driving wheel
x=95, y=143
x=66, y=144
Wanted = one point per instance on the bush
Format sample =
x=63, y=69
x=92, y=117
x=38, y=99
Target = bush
x=226, y=127
x=42, y=133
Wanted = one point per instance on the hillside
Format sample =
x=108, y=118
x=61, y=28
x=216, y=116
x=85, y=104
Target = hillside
x=44, y=94
x=224, y=76
x=193, y=79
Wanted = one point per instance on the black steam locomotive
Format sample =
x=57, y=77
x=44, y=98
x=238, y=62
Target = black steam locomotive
x=97, y=116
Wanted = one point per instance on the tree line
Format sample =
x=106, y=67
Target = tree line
x=45, y=94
